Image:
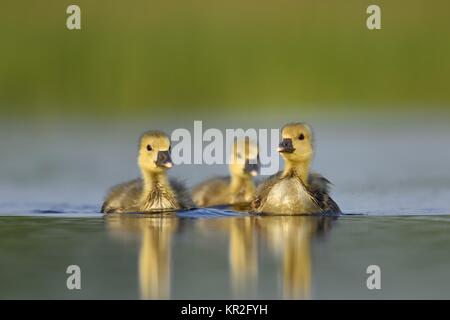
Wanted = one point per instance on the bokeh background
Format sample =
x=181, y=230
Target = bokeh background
x=172, y=57
x=74, y=102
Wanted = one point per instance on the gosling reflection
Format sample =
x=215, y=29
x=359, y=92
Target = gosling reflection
x=243, y=256
x=242, y=251
x=289, y=237
x=154, y=262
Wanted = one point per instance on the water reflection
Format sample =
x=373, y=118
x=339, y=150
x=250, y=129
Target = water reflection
x=154, y=261
x=287, y=238
x=242, y=250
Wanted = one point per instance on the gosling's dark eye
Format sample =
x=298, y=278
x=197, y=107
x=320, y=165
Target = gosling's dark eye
x=301, y=137
x=149, y=148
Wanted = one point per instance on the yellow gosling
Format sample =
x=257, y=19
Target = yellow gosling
x=239, y=188
x=295, y=190
x=153, y=192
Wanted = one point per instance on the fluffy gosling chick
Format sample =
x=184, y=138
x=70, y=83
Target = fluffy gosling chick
x=295, y=190
x=153, y=192
x=239, y=188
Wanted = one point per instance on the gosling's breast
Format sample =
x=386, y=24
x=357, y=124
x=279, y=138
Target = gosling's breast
x=289, y=196
x=160, y=203
x=160, y=199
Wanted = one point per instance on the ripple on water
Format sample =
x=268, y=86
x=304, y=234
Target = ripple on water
x=92, y=210
x=69, y=210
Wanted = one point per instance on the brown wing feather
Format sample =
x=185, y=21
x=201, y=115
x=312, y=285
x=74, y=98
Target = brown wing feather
x=319, y=188
x=182, y=194
x=124, y=195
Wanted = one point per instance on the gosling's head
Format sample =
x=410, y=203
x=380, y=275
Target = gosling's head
x=244, y=158
x=154, y=152
x=297, y=142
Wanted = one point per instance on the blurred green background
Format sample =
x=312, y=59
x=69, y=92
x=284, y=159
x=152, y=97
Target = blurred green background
x=179, y=56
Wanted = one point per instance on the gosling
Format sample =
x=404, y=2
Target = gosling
x=238, y=189
x=295, y=190
x=153, y=192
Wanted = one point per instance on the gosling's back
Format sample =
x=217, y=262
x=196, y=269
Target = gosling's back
x=212, y=192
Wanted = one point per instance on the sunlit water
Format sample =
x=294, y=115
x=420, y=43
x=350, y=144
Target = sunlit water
x=392, y=182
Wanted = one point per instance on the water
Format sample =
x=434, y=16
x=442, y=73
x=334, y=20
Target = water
x=391, y=180
x=227, y=257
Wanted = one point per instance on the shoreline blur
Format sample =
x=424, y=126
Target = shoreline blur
x=180, y=57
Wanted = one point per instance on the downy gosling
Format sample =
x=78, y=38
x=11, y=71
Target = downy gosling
x=238, y=189
x=153, y=192
x=295, y=190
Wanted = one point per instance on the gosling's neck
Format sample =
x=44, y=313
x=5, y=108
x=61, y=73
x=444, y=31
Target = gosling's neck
x=299, y=168
x=154, y=180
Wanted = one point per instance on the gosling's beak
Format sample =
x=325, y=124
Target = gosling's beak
x=252, y=168
x=286, y=146
x=164, y=160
